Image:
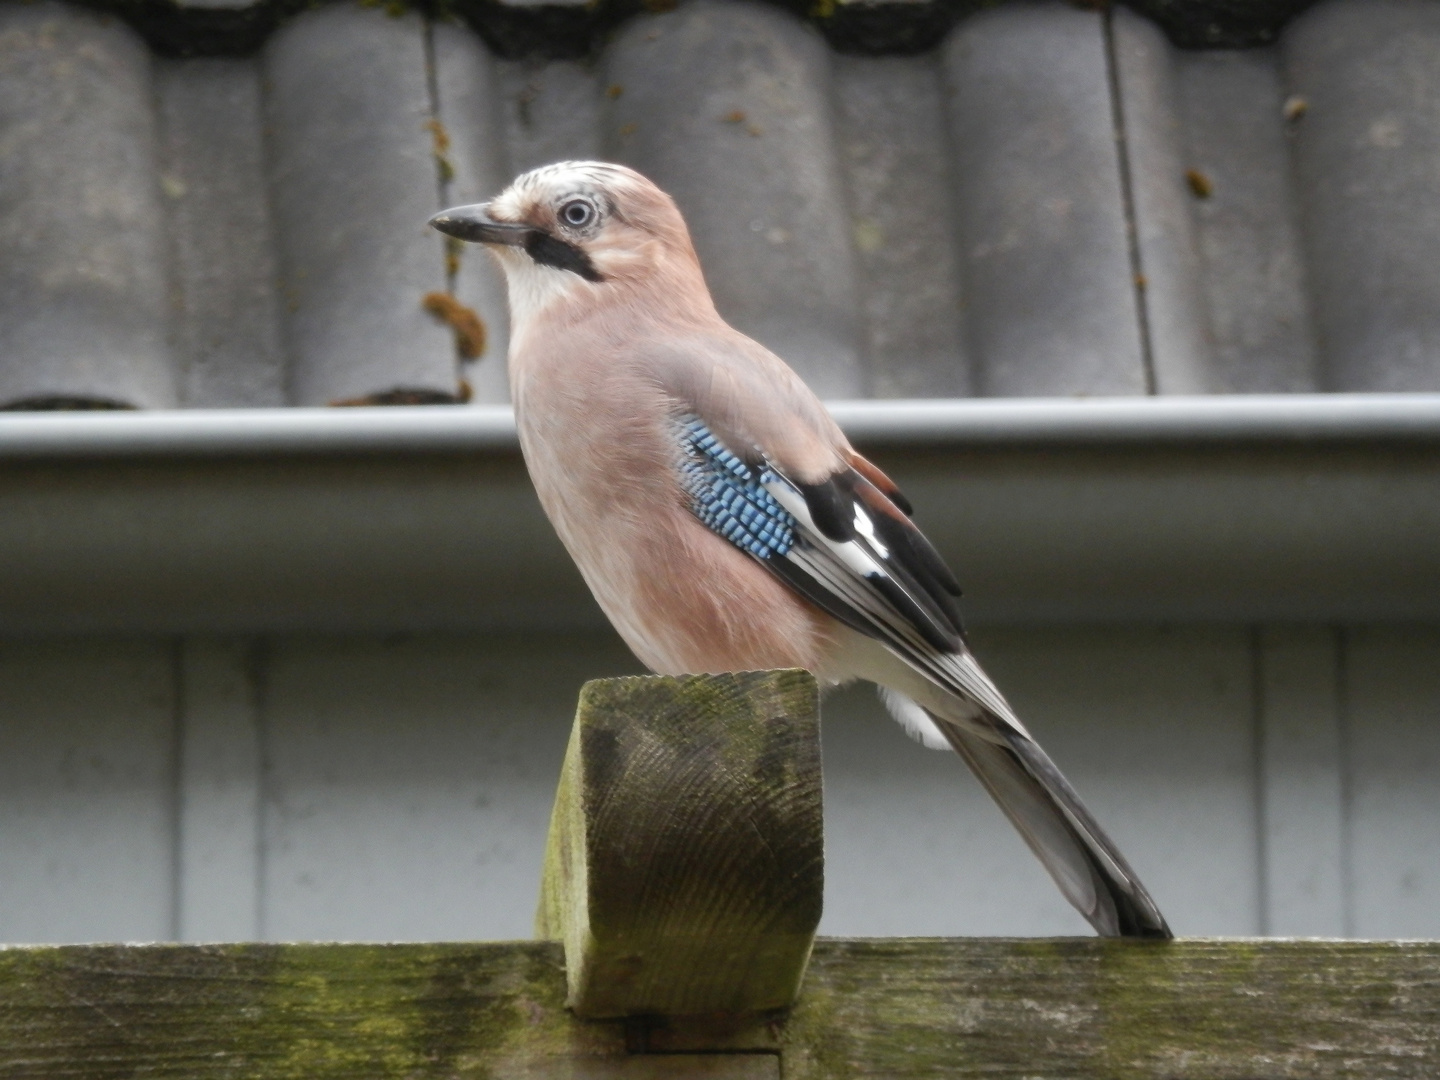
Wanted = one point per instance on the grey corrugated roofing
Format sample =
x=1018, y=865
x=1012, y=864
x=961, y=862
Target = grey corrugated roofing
x=1044, y=200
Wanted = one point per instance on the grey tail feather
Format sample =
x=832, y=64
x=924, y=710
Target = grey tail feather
x=1042, y=805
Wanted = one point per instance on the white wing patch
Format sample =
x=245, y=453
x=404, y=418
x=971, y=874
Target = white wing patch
x=848, y=570
x=914, y=719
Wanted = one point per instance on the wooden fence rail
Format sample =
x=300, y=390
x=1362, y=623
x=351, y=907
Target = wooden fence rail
x=1074, y=1008
x=682, y=886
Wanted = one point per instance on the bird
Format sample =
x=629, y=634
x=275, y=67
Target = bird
x=720, y=516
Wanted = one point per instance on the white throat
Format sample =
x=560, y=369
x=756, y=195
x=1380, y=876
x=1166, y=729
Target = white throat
x=533, y=288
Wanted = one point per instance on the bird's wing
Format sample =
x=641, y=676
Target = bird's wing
x=751, y=430
x=749, y=399
x=846, y=543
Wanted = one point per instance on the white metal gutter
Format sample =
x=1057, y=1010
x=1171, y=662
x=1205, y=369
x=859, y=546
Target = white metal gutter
x=1304, y=508
x=1217, y=418
x=929, y=423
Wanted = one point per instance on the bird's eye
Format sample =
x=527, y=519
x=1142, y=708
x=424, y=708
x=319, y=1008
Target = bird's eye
x=577, y=213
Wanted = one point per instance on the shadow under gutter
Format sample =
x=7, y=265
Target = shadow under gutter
x=1254, y=508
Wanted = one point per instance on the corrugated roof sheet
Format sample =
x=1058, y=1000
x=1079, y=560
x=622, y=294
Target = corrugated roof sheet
x=1043, y=200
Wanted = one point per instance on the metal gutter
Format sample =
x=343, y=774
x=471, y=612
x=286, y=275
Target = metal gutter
x=259, y=432
x=1230, y=418
x=378, y=520
x=939, y=423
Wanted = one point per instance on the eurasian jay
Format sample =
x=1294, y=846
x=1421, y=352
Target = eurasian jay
x=720, y=516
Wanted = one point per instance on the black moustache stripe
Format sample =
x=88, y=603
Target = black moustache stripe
x=548, y=250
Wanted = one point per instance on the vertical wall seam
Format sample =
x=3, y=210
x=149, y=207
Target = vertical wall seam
x=1258, y=757
x=178, y=703
x=1127, y=203
x=1347, y=780
x=257, y=657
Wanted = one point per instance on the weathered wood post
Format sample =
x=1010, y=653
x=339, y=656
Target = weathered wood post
x=684, y=869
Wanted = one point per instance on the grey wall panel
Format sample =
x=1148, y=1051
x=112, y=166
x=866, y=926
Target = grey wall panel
x=83, y=287
x=1155, y=152
x=409, y=781
x=914, y=845
x=1368, y=156
x=1247, y=228
x=87, y=751
x=219, y=790
x=1048, y=277
x=1392, y=715
x=1303, y=827
x=399, y=787
x=725, y=105
x=223, y=269
x=1156, y=729
x=1153, y=726
x=354, y=180
x=892, y=136
x=476, y=167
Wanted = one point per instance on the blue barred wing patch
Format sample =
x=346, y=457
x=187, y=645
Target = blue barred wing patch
x=729, y=496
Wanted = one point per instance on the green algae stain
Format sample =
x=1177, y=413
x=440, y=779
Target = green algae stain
x=1238, y=1007
x=415, y=1011
x=345, y=1012
x=807, y=1053
x=267, y=1012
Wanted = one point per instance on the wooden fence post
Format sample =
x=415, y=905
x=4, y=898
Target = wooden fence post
x=684, y=868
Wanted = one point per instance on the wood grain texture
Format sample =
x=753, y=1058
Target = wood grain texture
x=1078, y=1009
x=684, y=868
x=1057, y=1007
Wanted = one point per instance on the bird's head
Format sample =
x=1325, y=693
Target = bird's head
x=578, y=225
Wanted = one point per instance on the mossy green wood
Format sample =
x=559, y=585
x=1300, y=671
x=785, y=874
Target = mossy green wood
x=1082, y=1009
x=684, y=868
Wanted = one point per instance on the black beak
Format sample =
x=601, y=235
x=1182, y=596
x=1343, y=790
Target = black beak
x=475, y=224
